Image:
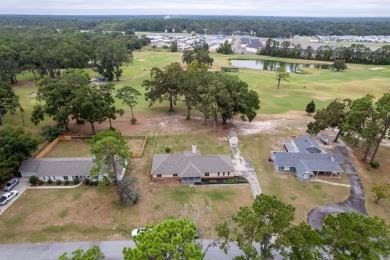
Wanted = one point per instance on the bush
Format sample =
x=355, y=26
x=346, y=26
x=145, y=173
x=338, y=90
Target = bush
x=213, y=182
x=374, y=164
x=66, y=182
x=86, y=181
x=39, y=182
x=58, y=182
x=167, y=149
x=50, y=132
x=133, y=121
x=50, y=181
x=33, y=179
x=127, y=190
x=76, y=181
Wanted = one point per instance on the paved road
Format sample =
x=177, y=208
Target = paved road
x=354, y=203
x=111, y=249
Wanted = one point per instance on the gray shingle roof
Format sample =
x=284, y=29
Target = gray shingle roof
x=190, y=166
x=254, y=43
x=306, y=162
x=78, y=166
x=306, y=145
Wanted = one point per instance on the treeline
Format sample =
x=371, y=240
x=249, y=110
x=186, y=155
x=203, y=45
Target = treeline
x=356, y=53
x=47, y=51
x=263, y=26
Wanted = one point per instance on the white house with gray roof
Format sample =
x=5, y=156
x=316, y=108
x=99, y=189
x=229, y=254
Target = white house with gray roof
x=305, y=158
x=63, y=169
x=191, y=166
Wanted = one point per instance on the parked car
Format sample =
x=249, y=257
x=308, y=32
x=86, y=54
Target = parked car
x=8, y=196
x=136, y=231
x=324, y=139
x=11, y=184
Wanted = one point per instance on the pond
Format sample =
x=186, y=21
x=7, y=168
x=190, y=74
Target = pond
x=272, y=65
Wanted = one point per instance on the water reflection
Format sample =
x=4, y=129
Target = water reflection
x=272, y=65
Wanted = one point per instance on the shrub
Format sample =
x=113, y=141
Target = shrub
x=50, y=132
x=33, y=179
x=213, y=182
x=66, y=182
x=58, y=182
x=374, y=164
x=50, y=181
x=39, y=182
x=127, y=190
x=76, y=181
x=133, y=121
x=167, y=149
x=86, y=181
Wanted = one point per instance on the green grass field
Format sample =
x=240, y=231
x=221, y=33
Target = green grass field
x=322, y=86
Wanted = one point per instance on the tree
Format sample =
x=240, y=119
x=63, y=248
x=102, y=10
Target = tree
x=173, y=46
x=9, y=66
x=354, y=236
x=9, y=101
x=301, y=242
x=281, y=74
x=56, y=97
x=15, y=146
x=200, y=53
x=339, y=65
x=111, y=55
x=361, y=123
x=310, y=107
x=332, y=116
x=257, y=224
x=94, y=103
x=109, y=150
x=381, y=191
x=383, y=110
x=171, y=239
x=164, y=84
x=127, y=191
x=129, y=96
x=225, y=48
x=93, y=253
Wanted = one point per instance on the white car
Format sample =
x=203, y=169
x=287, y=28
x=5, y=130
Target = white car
x=8, y=196
x=136, y=231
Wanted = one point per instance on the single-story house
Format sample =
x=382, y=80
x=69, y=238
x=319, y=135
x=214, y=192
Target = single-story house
x=63, y=169
x=305, y=158
x=191, y=167
x=253, y=46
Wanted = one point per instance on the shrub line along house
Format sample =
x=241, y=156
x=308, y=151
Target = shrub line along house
x=191, y=166
x=305, y=158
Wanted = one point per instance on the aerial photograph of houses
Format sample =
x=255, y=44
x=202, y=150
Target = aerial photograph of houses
x=194, y=130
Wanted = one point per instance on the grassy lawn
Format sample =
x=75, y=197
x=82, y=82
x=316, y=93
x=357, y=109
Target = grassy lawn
x=93, y=213
x=322, y=86
x=370, y=177
x=72, y=148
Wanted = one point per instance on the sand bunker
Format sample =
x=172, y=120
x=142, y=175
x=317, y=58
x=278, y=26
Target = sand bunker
x=377, y=68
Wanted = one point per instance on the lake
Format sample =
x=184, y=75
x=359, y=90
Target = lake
x=272, y=65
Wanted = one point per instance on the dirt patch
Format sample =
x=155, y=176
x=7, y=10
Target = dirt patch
x=377, y=68
x=33, y=94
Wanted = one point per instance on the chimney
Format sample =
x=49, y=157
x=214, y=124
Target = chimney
x=194, y=149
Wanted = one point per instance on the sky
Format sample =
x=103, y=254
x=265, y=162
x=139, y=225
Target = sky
x=311, y=8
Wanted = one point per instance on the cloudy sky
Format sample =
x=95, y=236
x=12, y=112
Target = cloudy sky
x=318, y=8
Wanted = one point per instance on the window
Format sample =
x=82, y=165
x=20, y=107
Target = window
x=43, y=178
x=65, y=178
x=207, y=174
x=175, y=175
x=223, y=173
x=228, y=173
x=218, y=173
x=158, y=175
x=54, y=177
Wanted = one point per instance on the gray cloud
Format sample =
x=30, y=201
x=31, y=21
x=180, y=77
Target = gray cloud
x=348, y=8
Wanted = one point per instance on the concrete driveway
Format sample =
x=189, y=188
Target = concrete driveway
x=22, y=186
